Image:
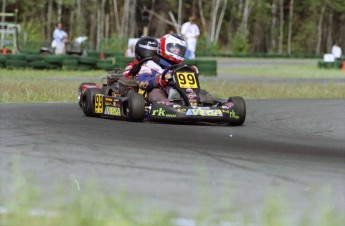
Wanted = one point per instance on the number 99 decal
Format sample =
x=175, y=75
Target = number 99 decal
x=99, y=103
x=187, y=80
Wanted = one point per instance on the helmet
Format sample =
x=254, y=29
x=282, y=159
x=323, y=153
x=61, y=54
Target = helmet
x=145, y=47
x=172, y=47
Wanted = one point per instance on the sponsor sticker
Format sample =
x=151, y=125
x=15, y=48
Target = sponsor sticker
x=232, y=114
x=187, y=80
x=229, y=104
x=161, y=113
x=204, y=112
x=181, y=110
x=99, y=103
x=114, y=111
x=165, y=102
x=189, y=90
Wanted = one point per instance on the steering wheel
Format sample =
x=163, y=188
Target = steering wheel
x=171, y=67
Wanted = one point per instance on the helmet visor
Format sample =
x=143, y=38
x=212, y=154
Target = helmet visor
x=176, y=48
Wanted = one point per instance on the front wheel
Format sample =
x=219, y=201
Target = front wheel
x=87, y=101
x=240, y=110
x=136, y=107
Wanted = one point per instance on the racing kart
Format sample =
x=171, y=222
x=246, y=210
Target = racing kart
x=119, y=97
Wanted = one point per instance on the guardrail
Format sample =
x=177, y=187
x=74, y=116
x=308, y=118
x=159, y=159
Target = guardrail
x=90, y=62
x=338, y=64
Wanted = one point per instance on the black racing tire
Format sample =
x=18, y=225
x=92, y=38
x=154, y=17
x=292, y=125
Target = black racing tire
x=240, y=109
x=16, y=57
x=105, y=66
x=136, y=107
x=80, y=94
x=2, y=58
x=53, y=59
x=16, y=63
x=87, y=102
x=38, y=64
x=88, y=60
x=70, y=62
x=33, y=57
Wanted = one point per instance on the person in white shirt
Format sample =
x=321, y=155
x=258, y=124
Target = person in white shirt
x=336, y=51
x=190, y=32
x=130, y=51
x=60, y=37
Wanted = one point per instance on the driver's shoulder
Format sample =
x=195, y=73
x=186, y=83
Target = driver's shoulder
x=151, y=64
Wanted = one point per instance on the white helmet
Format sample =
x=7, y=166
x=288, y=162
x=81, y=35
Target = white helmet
x=172, y=47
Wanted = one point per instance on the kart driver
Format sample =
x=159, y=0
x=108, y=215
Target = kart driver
x=171, y=50
x=145, y=47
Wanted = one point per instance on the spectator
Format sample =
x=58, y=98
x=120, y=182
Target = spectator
x=130, y=51
x=336, y=52
x=60, y=37
x=171, y=31
x=190, y=32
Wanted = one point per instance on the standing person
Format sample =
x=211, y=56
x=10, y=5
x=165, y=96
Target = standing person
x=130, y=51
x=60, y=37
x=190, y=31
x=336, y=51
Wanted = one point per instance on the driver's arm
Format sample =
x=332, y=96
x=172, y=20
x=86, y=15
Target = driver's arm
x=149, y=77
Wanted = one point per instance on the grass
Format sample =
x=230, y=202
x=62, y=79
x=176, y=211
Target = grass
x=40, y=74
x=61, y=86
x=66, y=91
x=43, y=85
x=38, y=91
x=276, y=90
x=286, y=71
x=308, y=70
x=90, y=207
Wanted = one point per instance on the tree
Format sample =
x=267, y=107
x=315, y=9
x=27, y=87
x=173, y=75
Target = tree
x=281, y=26
x=309, y=26
x=273, y=25
x=212, y=29
x=319, y=29
x=290, y=26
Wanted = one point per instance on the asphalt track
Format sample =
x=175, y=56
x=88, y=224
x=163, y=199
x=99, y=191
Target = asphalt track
x=294, y=149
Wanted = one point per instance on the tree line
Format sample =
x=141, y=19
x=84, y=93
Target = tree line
x=232, y=26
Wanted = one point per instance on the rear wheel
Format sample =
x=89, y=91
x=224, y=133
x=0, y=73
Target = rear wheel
x=80, y=91
x=240, y=110
x=136, y=107
x=87, y=102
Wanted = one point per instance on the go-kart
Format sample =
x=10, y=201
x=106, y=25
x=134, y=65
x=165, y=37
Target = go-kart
x=120, y=97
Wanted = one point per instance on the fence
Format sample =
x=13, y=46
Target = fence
x=90, y=62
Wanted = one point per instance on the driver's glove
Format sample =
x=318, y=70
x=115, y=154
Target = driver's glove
x=160, y=83
x=134, y=70
x=194, y=68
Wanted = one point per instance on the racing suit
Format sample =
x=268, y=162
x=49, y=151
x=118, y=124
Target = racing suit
x=131, y=69
x=149, y=79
